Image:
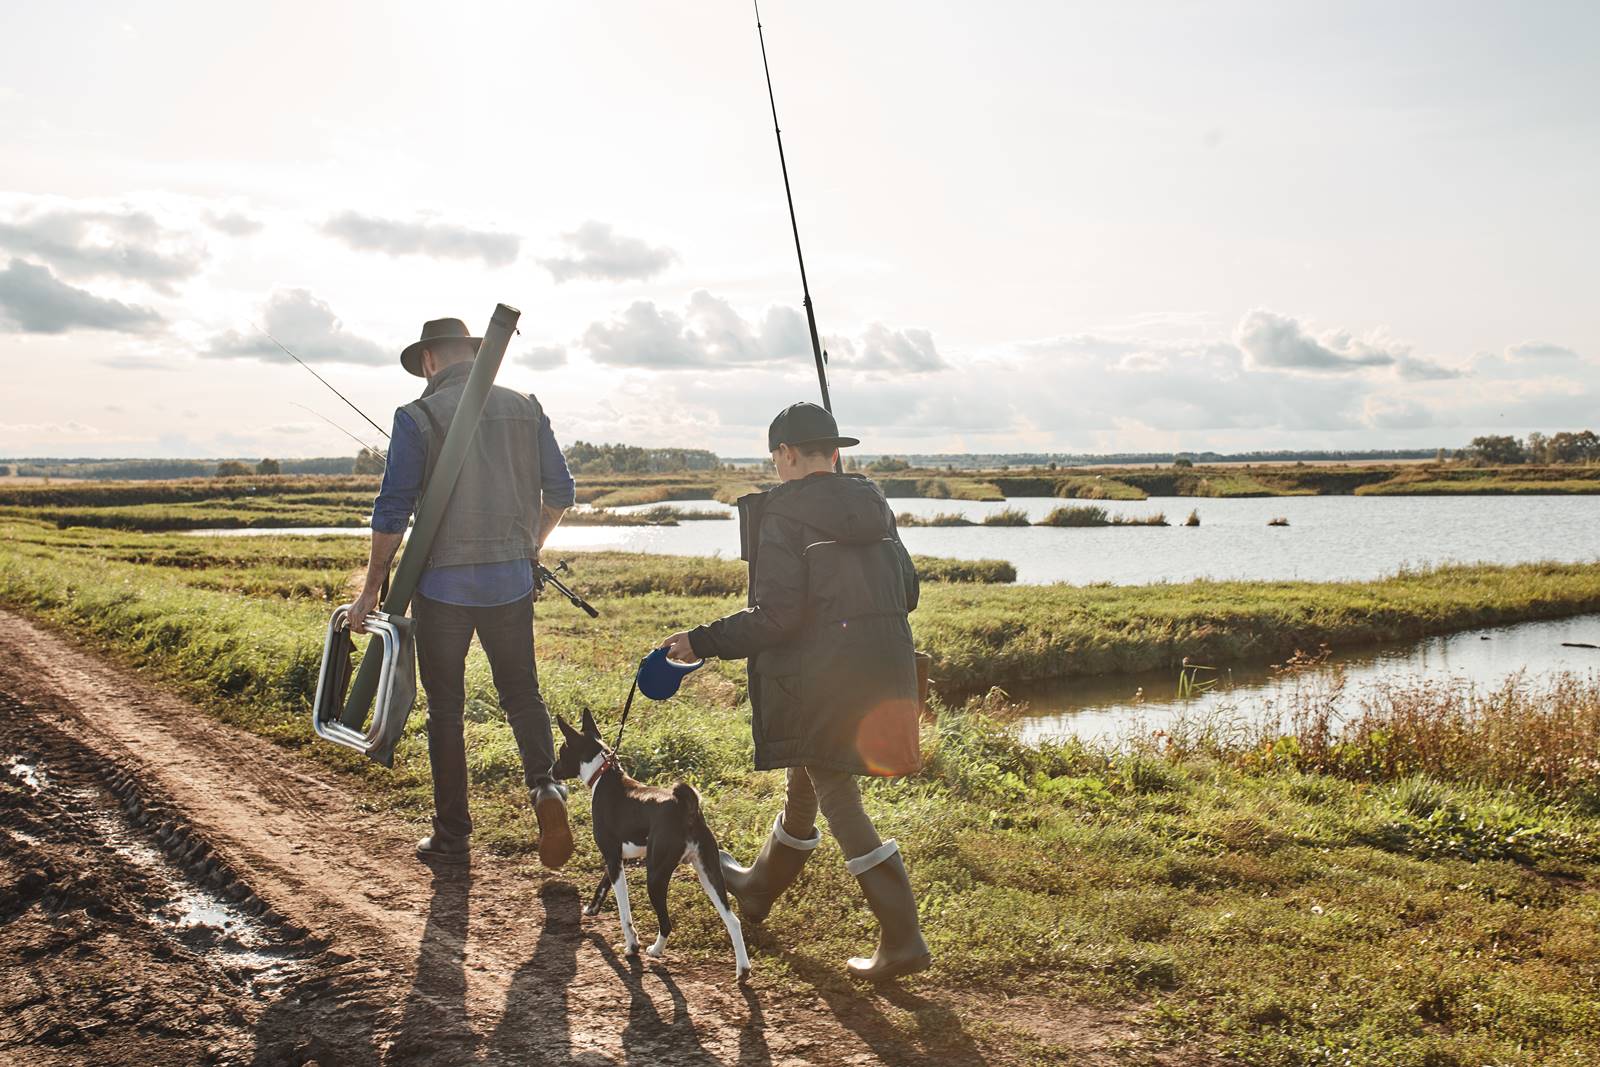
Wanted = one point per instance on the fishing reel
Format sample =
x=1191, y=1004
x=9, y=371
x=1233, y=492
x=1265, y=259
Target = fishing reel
x=544, y=576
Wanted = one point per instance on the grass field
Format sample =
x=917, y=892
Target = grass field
x=1409, y=882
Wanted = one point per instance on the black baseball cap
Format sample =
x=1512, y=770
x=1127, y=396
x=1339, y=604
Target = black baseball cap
x=806, y=424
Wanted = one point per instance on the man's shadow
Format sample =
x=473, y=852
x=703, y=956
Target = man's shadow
x=433, y=1021
x=536, y=1022
x=940, y=1038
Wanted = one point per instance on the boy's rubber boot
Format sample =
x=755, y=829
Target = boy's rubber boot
x=901, y=949
x=758, y=886
x=555, y=832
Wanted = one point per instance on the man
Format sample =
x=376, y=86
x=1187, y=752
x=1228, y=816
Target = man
x=511, y=493
x=833, y=684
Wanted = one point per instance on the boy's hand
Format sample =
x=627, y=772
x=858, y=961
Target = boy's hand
x=678, y=648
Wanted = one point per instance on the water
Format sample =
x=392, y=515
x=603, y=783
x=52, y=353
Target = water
x=1109, y=707
x=1329, y=538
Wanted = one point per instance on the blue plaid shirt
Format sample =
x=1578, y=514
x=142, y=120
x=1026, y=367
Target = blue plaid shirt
x=468, y=584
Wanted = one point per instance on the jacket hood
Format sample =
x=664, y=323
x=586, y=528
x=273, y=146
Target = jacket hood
x=847, y=507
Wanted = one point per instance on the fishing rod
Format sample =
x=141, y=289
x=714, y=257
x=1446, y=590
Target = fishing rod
x=321, y=379
x=380, y=453
x=811, y=317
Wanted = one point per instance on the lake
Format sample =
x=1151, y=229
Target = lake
x=1110, y=707
x=1329, y=538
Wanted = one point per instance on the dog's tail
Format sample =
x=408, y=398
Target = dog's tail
x=706, y=850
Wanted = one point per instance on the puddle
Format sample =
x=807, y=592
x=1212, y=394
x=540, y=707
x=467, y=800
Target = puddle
x=27, y=773
x=201, y=919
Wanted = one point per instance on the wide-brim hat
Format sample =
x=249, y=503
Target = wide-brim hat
x=806, y=424
x=432, y=331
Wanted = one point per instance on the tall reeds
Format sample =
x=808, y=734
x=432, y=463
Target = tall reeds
x=1077, y=515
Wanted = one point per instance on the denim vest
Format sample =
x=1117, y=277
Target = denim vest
x=493, y=514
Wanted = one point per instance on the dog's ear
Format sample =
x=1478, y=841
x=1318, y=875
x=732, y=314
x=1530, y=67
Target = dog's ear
x=589, y=726
x=566, y=731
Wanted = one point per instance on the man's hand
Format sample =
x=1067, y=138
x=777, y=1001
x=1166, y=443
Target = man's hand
x=365, y=605
x=678, y=648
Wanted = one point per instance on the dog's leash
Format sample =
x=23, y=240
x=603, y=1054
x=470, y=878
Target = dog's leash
x=626, y=708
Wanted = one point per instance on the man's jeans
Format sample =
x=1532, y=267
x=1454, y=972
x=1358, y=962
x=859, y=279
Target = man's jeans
x=506, y=633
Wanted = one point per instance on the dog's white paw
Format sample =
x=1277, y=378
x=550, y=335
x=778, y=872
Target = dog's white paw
x=591, y=911
x=653, y=952
x=631, y=951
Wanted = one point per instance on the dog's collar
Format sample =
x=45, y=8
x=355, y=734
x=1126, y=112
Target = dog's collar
x=600, y=772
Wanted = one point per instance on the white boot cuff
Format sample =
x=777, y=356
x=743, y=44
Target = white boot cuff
x=798, y=844
x=862, y=864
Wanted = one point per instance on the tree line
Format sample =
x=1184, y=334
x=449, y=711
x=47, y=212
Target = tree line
x=1559, y=448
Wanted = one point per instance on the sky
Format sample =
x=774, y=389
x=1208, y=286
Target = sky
x=1028, y=226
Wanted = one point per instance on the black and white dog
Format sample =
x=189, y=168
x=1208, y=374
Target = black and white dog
x=662, y=826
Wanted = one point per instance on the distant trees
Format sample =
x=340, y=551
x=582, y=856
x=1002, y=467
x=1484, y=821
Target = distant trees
x=888, y=465
x=269, y=466
x=1581, y=447
x=232, y=468
x=368, y=462
x=1503, y=450
x=5, y=470
x=586, y=458
x=1183, y=462
x=1497, y=450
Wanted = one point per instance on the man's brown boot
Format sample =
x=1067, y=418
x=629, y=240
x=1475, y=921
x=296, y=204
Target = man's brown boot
x=555, y=832
x=901, y=949
x=759, y=885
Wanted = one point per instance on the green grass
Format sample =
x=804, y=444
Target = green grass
x=1007, y=636
x=1414, y=890
x=1158, y=518
x=943, y=518
x=1007, y=517
x=1077, y=515
x=1097, y=487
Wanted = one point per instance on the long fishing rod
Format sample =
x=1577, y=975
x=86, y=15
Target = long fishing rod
x=811, y=317
x=321, y=379
x=364, y=446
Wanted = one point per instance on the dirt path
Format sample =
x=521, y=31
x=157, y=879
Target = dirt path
x=172, y=890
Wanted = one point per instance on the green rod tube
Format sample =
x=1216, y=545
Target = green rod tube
x=414, y=558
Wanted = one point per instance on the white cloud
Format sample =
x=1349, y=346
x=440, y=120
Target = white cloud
x=1539, y=350
x=596, y=251
x=71, y=427
x=307, y=327
x=908, y=351
x=32, y=300
x=81, y=241
x=1277, y=341
x=233, y=223
x=397, y=237
x=709, y=334
x=542, y=357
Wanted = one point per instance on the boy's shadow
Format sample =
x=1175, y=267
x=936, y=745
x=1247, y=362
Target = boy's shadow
x=940, y=1036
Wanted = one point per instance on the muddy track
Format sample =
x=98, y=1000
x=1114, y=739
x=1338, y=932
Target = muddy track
x=176, y=891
